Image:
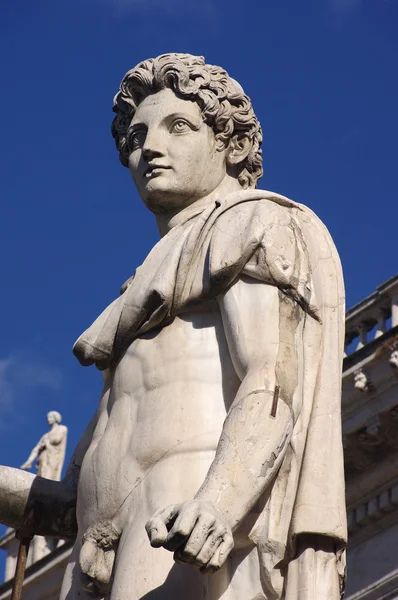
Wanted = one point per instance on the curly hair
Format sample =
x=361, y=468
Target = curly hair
x=223, y=104
x=56, y=415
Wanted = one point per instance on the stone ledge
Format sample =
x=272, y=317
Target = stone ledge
x=38, y=571
x=373, y=516
x=385, y=588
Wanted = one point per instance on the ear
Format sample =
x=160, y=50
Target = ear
x=238, y=149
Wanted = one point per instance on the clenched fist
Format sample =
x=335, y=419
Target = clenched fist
x=195, y=531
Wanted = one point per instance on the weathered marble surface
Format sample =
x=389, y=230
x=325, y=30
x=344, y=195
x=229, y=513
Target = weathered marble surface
x=49, y=453
x=217, y=441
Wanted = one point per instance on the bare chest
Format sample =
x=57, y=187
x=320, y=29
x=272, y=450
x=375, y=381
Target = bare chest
x=189, y=354
x=172, y=386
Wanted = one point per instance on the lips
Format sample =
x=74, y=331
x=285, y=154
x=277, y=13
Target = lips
x=155, y=169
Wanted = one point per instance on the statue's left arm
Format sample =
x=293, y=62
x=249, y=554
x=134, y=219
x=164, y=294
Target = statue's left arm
x=261, y=325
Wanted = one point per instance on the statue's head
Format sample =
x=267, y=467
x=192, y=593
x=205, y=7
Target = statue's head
x=53, y=417
x=181, y=125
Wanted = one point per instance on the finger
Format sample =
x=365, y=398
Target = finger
x=204, y=527
x=220, y=555
x=210, y=546
x=182, y=527
x=156, y=527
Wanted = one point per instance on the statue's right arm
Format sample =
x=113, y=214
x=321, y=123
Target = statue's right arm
x=33, y=455
x=40, y=506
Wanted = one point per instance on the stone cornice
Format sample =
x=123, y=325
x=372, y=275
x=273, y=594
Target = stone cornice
x=370, y=517
x=385, y=588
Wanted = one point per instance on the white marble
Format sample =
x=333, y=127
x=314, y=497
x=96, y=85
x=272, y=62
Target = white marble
x=394, y=356
x=49, y=452
x=213, y=465
x=361, y=381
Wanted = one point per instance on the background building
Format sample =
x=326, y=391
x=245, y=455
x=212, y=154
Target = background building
x=370, y=433
x=370, y=436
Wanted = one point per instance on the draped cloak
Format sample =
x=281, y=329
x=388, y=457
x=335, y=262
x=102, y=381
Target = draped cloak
x=266, y=236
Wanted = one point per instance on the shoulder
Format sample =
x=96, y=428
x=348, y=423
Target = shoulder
x=243, y=226
x=266, y=209
x=273, y=226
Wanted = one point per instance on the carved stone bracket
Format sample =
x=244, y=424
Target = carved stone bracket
x=388, y=426
x=362, y=381
x=365, y=445
x=361, y=447
x=394, y=356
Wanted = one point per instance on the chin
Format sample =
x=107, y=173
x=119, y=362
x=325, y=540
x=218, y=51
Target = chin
x=159, y=199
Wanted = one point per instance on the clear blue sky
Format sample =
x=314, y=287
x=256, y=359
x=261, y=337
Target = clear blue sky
x=322, y=75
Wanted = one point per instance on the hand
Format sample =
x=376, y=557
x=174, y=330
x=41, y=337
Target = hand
x=26, y=465
x=195, y=531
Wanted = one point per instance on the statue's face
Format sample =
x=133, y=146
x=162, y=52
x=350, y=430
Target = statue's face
x=175, y=159
x=50, y=419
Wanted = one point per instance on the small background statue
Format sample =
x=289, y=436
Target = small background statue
x=394, y=355
x=49, y=454
x=50, y=451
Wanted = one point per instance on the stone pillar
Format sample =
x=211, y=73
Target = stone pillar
x=394, y=311
x=362, y=337
x=381, y=324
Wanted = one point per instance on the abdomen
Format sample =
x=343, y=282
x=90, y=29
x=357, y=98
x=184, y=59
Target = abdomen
x=169, y=398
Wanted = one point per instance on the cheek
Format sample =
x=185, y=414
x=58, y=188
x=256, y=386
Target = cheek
x=208, y=166
x=133, y=164
x=198, y=158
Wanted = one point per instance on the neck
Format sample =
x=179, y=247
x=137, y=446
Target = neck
x=173, y=217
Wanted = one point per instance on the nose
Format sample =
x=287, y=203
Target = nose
x=149, y=153
x=153, y=145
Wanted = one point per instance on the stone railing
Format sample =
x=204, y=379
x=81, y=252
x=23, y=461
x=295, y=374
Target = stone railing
x=372, y=317
x=373, y=509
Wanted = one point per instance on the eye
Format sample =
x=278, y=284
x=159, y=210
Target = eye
x=180, y=126
x=135, y=139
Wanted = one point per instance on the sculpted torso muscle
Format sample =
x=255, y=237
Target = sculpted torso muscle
x=167, y=400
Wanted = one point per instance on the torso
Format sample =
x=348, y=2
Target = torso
x=51, y=458
x=158, y=431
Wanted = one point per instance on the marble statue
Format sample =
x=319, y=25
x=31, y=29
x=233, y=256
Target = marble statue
x=49, y=453
x=212, y=469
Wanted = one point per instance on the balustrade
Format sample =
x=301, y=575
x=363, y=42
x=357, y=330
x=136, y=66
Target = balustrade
x=372, y=317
